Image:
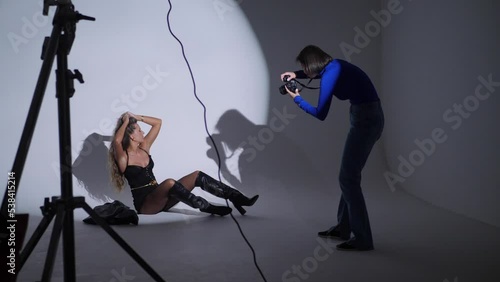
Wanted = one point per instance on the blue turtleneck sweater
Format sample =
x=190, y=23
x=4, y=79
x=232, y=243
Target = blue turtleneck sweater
x=340, y=79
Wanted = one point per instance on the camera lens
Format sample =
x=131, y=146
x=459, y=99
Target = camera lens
x=283, y=90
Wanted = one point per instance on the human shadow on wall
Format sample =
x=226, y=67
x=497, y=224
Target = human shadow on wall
x=92, y=171
x=264, y=160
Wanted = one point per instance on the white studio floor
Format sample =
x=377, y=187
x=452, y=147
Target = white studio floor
x=414, y=242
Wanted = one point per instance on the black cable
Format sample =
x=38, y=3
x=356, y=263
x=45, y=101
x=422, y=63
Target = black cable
x=209, y=135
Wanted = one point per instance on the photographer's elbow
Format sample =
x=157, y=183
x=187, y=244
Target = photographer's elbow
x=321, y=117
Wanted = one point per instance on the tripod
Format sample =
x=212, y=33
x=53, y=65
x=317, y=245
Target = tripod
x=59, y=44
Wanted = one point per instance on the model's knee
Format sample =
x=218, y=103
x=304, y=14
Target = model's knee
x=170, y=182
x=198, y=178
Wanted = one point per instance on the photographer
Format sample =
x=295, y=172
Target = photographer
x=345, y=81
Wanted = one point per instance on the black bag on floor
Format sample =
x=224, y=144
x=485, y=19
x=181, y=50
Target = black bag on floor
x=115, y=213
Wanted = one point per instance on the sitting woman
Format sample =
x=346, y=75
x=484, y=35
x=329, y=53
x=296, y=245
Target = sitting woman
x=129, y=158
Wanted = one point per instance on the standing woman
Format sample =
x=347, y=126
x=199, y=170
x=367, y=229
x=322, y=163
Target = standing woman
x=129, y=158
x=345, y=81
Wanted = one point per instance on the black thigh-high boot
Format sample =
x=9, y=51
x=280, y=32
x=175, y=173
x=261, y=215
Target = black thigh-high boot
x=184, y=195
x=221, y=190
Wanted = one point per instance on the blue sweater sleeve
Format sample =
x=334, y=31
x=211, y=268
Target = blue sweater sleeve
x=300, y=74
x=328, y=81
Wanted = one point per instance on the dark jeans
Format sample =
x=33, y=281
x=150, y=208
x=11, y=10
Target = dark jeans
x=367, y=124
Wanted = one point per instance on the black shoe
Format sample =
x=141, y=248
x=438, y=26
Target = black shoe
x=333, y=233
x=350, y=246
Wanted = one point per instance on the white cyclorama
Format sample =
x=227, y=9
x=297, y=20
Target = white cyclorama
x=437, y=80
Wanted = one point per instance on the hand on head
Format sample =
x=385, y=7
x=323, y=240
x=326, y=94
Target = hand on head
x=125, y=117
x=128, y=115
x=133, y=115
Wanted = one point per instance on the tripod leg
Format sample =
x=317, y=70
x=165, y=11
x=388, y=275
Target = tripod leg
x=68, y=240
x=121, y=242
x=54, y=242
x=37, y=235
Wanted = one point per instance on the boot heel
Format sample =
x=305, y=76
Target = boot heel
x=238, y=203
x=240, y=209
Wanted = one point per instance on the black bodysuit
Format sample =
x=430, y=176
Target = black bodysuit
x=141, y=180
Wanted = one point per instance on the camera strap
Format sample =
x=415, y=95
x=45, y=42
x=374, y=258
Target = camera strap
x=306, y=86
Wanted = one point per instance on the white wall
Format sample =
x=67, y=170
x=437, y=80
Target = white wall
x=428, y=58
x=435, y=56
x=130, y=62
x=238, y=80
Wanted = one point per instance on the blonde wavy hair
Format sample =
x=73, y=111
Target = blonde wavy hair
x=117, y=178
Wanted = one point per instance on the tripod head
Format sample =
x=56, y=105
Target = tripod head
x=66, y=17
x=48, y=3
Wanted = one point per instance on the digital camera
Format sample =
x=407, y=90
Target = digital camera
x=291, y=85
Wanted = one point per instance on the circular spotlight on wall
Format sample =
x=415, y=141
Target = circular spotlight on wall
x=130, y=62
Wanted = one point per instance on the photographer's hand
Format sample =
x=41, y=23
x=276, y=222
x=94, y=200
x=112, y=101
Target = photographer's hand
x=292, y=94
x=289, y=73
